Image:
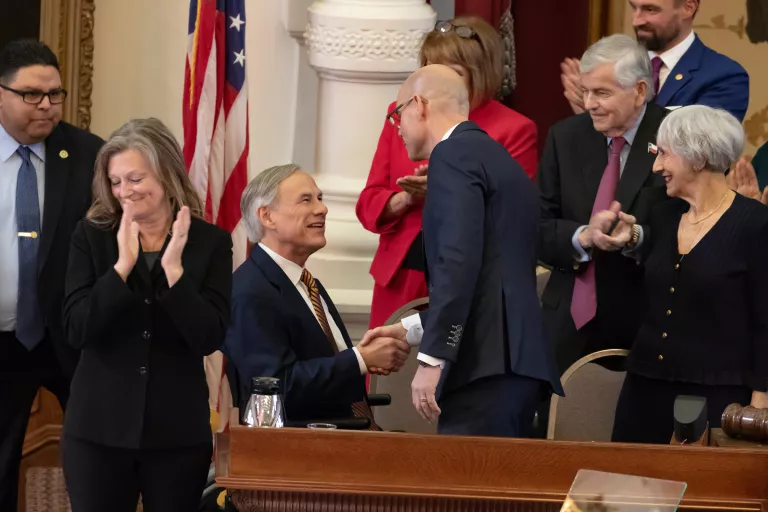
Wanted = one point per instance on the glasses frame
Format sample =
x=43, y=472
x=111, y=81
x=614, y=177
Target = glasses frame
x=24, y=95
x=463, y=31
x=399, y=109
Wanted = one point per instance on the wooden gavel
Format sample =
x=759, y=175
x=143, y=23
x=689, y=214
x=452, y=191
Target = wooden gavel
x=745, y=422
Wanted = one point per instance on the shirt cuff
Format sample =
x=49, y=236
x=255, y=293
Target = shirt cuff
x=360, y=361
x=431, y=361
x=583, y=256
x=415, y=331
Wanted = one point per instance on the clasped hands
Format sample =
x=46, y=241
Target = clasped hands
x=128, y=244
x=384, y=349
x=609, y=230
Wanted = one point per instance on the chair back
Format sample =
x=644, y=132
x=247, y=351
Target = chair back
x=587, y=411
x=400, y=414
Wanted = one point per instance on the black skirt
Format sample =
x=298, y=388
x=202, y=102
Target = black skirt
x=645, y=411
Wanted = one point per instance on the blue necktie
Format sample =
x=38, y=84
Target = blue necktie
x=29, y=321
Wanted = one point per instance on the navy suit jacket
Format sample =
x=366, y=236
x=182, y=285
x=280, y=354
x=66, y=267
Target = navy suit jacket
x=706, y=78
x=274, y=334
x=481, y=219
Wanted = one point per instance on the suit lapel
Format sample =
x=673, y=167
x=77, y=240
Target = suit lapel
x=290, y=295
x=690, y=62
x=593, y=152
x=57, y=168
x=640, y=160
x=334, y=314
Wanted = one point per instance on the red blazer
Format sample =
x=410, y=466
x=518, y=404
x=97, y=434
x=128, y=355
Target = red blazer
x=516, y=132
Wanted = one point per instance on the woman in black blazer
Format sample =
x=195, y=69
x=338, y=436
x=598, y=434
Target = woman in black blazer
x=146, y=299
x=705, y=254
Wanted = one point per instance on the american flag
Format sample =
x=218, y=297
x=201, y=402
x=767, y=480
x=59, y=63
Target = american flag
x=216, y=140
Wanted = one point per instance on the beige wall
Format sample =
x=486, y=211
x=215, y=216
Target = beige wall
x=140, y=51
x=721, y=25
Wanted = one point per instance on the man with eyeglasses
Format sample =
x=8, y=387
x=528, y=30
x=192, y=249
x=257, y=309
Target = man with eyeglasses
x=46, y=169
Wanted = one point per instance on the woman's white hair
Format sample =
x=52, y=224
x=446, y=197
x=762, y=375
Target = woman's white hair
x=262, y=191
x=630, y=60
x=704, y=137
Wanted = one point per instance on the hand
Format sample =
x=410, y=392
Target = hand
x=620, y=237
x=384, y=350
x=423, y=389
x=416, y=186
x=127, y=242
x=421, y=170
x=600, y=223
x=743, y=180
x=171, y=261
x=759, y=400
x=572, y=89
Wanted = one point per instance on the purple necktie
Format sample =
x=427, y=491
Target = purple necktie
x=584, y=301
x=656, y=64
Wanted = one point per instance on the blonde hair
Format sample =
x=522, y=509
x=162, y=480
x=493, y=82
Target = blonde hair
x=481, y=56
x=155, y=142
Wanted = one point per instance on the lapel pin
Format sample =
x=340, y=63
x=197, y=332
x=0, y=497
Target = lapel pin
x=29, y=234
x=652, y=148
x=679, y=76
x=63, y=153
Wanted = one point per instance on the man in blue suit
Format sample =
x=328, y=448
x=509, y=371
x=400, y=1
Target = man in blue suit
x=284, y=324
x=686, y=72
x=483, y=362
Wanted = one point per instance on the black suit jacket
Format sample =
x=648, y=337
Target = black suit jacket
x=140, y=382
x=275, y=334
x=70, y=154
x=481, y=219
x=574, y=159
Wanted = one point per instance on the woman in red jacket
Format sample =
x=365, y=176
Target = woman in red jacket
x=391, y=202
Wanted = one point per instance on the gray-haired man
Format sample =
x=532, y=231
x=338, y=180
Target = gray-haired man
x=284, y=324
x=594, y=299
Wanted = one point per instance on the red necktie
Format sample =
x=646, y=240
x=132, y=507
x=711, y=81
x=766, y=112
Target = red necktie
x=656, y=64
x=584, y=301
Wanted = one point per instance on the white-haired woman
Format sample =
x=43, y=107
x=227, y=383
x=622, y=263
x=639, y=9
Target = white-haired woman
x=706, y=279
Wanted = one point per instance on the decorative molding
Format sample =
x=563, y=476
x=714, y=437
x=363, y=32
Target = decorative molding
x=40, y=438
x=86, y=63
x=364, y=43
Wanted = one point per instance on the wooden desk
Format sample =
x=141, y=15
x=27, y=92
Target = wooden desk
x=309, y=470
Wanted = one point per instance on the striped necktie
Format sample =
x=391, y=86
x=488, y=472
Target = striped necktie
x=361, y=409
x=29, y=320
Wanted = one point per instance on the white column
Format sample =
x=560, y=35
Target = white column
x=362, y=51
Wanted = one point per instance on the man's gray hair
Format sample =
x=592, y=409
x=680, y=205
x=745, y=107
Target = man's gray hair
x=262, y=191
x=630, y=59
x=704, y=137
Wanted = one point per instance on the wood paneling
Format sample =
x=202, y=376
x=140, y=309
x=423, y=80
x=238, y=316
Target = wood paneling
x=288, y=461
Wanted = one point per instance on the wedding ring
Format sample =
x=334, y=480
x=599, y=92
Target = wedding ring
x=424, y=400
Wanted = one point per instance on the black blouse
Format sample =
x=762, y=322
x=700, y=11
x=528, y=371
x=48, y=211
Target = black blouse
x=707, y=320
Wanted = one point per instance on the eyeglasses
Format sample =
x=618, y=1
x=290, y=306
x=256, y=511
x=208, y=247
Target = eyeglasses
x=36, y=97
x=394, y=116
x=461, y=30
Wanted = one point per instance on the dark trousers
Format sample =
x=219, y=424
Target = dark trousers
x=499, y=406
x=645, y=411
x=22, y=374
x=102, y=478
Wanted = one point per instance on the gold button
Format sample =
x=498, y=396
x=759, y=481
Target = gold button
x=672, y=289
x=664, y=335
x=669, y=312
x=677, y=266
x=661, y=357
x=575, y=266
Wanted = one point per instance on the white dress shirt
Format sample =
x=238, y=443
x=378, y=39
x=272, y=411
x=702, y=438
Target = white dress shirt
x=10, y=163
x=671, y=57
x=293, y=271
x=413, y=323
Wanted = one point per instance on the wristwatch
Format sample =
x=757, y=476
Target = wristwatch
x=426, y=365
x=635, y=236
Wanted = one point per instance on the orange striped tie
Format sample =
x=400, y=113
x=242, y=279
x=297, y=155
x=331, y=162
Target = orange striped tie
x=361, y=408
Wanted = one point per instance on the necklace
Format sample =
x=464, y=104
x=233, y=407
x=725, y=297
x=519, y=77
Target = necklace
x=709, y=214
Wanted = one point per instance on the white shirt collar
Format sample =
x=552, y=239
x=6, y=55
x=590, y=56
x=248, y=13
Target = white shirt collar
x=9, y=145
x=449, y=132
x=292, y=270
x=672, y=56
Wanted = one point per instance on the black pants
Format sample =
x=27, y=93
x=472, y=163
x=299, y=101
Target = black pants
x=645, y=411
x=500, y=406
x=22, y=374
x=102, y=478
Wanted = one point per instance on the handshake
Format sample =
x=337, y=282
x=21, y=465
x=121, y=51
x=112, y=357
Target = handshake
x=384, y=349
